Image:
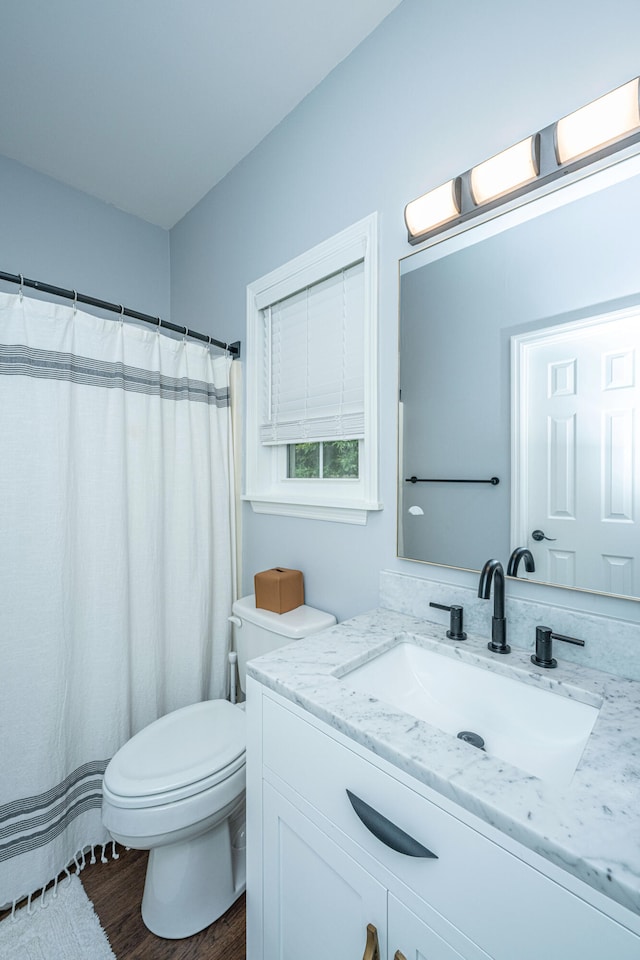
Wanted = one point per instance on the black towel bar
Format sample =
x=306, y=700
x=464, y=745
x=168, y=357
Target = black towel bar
x=494, y=481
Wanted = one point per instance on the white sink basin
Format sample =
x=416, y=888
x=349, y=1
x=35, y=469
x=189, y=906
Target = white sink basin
x=540, y=732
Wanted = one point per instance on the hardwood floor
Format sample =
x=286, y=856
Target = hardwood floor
x=115, y=888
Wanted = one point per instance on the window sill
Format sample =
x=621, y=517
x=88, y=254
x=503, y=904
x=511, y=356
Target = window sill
x=336, y=511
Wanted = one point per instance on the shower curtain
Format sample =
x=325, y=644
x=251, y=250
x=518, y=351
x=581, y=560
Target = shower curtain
x=117, y=562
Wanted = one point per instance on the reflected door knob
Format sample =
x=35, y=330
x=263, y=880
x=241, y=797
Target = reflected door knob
x=540, y=535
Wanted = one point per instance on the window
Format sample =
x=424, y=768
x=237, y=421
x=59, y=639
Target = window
x=311, y=382
x=329, y=459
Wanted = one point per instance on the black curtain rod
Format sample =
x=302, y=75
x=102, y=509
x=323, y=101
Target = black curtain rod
x=232, y=348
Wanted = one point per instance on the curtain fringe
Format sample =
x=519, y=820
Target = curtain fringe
x=50, y=890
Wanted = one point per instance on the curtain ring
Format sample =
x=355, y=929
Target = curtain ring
x=75, y=302
x=121, y=314
x=159, y=327
x=185, y=335
x=21, y=291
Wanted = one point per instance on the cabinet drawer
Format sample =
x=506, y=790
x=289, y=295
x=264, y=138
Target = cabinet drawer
x=485, y=891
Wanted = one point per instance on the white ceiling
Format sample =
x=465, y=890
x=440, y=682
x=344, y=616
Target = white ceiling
x=147, y=104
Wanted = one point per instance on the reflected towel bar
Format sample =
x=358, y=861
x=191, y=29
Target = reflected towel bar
x=494, y=481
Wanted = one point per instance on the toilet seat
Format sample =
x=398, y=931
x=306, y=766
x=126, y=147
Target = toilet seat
x=177, y=756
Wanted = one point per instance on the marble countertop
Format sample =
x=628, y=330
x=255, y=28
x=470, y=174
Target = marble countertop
x=590, y=828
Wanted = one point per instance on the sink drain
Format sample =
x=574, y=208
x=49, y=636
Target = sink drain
x=473, y=738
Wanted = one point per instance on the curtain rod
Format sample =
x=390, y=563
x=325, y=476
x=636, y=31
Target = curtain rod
x=232, y=348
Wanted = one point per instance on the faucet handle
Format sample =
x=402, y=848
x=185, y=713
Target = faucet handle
x=455, y=631
x=544, y=642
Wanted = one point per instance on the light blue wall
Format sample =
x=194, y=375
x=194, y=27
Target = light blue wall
x=440, y=86
x=58, y=235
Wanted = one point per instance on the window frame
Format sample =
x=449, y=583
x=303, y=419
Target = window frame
x=267, y=486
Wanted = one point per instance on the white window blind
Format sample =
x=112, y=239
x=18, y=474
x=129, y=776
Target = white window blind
x=314, y=362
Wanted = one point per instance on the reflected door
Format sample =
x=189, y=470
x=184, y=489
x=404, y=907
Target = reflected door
x=577, y=452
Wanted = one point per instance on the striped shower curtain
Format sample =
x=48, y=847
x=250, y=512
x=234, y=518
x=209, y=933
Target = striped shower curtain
x=117, y=562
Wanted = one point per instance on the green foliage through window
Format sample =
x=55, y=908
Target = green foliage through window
x=328, y=460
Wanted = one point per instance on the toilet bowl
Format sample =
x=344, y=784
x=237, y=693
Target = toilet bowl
x=177, y=789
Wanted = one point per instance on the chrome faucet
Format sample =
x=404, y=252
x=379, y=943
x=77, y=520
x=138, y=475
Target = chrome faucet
x=493, y=575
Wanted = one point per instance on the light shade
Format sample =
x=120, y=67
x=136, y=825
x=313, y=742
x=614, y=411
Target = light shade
x=599, y=123
x=433, y=208
x=505, y=172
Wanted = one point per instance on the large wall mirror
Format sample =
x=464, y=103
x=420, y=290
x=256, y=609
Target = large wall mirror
x=519, y=363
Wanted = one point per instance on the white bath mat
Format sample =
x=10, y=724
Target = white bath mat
x=66, y=928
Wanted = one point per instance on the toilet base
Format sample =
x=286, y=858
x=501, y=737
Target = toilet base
x=191, y=883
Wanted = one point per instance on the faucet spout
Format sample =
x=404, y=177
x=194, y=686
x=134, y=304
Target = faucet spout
x=518, y=555
x=492, y=575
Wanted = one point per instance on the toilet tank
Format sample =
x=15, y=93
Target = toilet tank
x=257, y=631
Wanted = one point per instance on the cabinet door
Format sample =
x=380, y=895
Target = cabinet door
x=317, y=900
x=410, y=938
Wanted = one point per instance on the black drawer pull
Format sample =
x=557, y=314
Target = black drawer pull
x=387, y=832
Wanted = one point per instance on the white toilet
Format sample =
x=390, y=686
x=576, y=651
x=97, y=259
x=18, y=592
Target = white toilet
x=177, y=789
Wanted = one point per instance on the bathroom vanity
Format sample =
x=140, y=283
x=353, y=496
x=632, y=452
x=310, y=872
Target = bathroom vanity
x=509, y=865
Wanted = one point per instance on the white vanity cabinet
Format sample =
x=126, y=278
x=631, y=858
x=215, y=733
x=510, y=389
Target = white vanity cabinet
x=317, y=876
x=318, y=901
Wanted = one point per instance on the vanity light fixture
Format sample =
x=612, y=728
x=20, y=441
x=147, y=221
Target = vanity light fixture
x=434, y=208
x=593, y=132
x=505, y=172
x=601, y=122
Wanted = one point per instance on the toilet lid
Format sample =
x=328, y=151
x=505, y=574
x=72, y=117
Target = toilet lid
x=181, y=748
